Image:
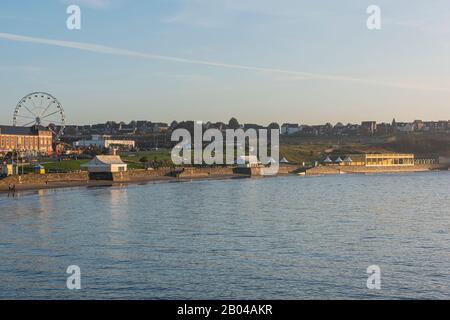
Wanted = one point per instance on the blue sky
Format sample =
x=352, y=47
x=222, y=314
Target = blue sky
x=258, y=60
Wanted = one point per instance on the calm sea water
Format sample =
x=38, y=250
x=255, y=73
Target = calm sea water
x=273, y=238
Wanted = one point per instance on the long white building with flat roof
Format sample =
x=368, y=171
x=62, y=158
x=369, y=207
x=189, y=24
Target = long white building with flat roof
x=105, y=142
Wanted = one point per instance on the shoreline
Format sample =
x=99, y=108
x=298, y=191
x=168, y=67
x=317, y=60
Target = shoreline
x=61, y=183
x=54, y=185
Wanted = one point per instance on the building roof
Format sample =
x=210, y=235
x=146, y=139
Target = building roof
x=271, y=160
x=106, y=160
x=21, y=130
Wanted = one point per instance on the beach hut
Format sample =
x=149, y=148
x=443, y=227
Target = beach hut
x=271, y=161
x=327, y=161
x=338, y=160
x=284, y=160
x=39, y=169
x=348, y=161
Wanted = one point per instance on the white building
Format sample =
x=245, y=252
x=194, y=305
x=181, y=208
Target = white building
x=289, y=129
x=404, y=127
x=248, y=161
x=106, y=164
x=104, y=142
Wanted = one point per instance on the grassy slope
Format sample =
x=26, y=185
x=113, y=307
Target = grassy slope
x=298, y=153
x=295, y=152
x=75, y=165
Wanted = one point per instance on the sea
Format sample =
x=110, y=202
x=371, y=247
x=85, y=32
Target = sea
x=383, y=236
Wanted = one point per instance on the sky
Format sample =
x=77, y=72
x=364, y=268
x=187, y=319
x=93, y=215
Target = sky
x=260, y=61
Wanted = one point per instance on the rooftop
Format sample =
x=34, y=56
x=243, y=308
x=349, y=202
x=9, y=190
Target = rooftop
x=20, y=130
x=98, y=160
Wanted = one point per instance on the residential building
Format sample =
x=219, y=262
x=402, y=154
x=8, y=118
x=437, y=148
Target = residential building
x=289, y=129
x=368, y=127
x=35, y=140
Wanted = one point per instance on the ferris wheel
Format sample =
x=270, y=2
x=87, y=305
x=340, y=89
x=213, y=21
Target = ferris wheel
x=40, y=109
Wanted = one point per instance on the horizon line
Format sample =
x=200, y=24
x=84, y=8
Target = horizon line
x=269, y=123
x=100, y=49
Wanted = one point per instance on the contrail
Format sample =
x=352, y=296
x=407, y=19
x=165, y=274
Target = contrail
x=129, y=53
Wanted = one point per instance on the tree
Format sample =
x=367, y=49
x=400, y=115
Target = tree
x=143, y=160
x=173, y=125
x=274, y=125
x=188, y=125
x=233, y=123
x=93, y=151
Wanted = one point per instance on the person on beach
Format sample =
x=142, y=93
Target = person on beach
x=11, y=189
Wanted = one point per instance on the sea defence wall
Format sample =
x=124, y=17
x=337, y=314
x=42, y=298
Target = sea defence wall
x=141, y=175
x=335, y=169
x=206, y=172
x=189, y=173
x=193, y=173
x=128, y=176
x=82, y=177
x=43, y=179
x=256, y=171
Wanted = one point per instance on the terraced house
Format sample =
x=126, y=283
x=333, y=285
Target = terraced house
x=36, y=140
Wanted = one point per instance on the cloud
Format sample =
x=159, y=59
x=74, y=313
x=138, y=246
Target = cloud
x=21, y=68
x=129, y=53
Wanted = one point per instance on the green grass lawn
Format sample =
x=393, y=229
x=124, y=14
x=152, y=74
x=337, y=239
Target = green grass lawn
x=66, y=165
x=133, y=159
x=295, y=154
x=75, y=165
x=55, y=166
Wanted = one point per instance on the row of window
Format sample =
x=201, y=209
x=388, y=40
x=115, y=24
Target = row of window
x=7, y=141
x=390, y=161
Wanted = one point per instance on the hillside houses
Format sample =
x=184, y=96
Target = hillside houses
x=365, y=128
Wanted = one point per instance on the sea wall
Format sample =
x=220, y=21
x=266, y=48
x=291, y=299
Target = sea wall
x=192, y=173
x=334, y=169
x=144, y=175
x=288, y=169
x=128, y=176
x=141, y=175
x=256, y=171
x=37, y=179
x=206, y=172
